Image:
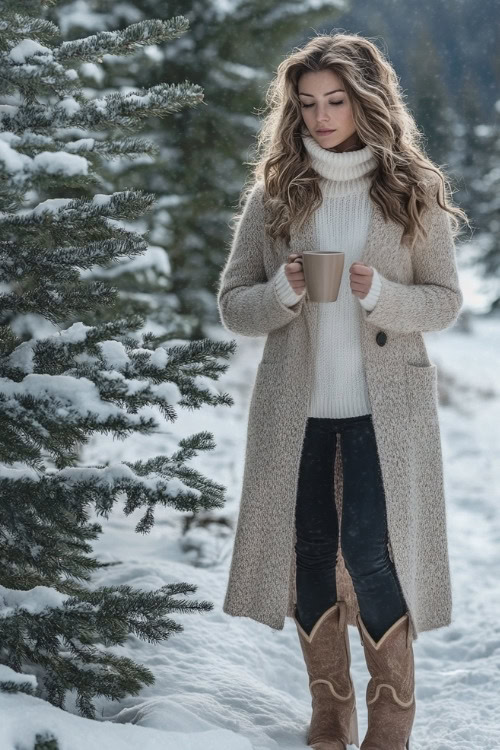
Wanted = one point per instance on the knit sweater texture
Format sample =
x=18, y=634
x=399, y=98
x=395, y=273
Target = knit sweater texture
x=339, y=223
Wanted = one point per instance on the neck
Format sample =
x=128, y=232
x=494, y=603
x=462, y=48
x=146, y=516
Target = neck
x=338, y=150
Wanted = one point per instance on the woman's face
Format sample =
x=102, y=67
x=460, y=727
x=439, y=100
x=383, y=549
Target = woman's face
x=326, y=106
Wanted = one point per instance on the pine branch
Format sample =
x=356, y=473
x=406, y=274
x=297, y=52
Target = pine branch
x=124, y=42
x=124, y=110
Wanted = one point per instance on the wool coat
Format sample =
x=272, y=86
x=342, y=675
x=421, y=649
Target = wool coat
x=420, y=292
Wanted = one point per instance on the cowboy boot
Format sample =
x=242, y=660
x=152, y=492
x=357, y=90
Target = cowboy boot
x=390, y=696
x=327, y=656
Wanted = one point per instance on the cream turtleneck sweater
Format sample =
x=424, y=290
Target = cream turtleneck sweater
x=341, y=222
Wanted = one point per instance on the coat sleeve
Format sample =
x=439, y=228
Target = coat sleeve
x=434, y=301
x=248, y=302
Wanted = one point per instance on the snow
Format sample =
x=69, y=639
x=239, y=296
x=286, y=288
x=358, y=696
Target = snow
x=82, y=144
x=10, y=138
x=22, y=356
x=154, y=52
x=91, y=70
x=81, y=396
x=69, y=105
x=79, y=14
x=8, y=109
x=75, y=333
x=235, y=684
x=19, y=165
x=11, y=160
x=23, y=717
x=59, y=162
x=9, y=675
x=100, y=104
x=101, y=199
x=51, y=205
x=28, y=48
x=114, y=353
x=153, y=259
x=49, y=162
x=34, y=600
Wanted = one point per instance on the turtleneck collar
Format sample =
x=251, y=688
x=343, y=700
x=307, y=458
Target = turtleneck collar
x=345, y=171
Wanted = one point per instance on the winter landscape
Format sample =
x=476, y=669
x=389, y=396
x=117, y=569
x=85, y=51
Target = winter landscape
x=229, y=683
x=124, y=414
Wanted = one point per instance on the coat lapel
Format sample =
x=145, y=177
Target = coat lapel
x=383, y=242
x=373, y=244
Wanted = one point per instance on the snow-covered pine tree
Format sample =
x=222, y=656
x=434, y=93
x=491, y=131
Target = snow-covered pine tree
x=59, y=386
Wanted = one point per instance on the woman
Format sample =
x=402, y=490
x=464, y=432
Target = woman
x=342, y=517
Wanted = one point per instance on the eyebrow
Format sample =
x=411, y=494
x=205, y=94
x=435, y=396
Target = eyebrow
x=328, y=92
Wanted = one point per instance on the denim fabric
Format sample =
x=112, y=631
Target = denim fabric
x=363, y=533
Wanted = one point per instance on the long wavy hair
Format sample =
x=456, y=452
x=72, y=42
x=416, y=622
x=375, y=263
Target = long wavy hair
x=382, y=121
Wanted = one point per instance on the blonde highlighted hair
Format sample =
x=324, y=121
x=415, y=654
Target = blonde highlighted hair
x=400, y=183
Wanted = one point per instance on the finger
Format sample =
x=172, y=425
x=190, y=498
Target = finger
x=359, y=288
x=361, y=269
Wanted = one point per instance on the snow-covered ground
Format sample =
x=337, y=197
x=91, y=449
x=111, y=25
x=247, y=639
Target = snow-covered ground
x=228, y=683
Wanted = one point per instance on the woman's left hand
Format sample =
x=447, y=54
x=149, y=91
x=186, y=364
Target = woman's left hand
x=360, y=277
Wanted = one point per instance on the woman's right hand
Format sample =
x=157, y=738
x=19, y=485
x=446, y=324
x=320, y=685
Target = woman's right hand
x=295, y=273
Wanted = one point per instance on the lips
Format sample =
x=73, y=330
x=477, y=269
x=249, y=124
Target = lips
x=324, y=132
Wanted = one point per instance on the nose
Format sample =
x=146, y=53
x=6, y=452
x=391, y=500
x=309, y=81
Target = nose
x=322, y=119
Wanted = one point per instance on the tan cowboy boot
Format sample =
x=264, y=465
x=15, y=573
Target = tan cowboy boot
x=390, y=696
x=327, y=656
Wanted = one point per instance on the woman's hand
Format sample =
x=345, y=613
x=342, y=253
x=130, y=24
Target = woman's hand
x=295, y=274
x=360, y=277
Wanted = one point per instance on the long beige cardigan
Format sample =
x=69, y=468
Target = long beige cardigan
x=420, y=292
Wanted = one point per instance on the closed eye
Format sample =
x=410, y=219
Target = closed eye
x=334, y=103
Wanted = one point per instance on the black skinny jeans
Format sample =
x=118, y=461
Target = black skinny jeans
x=363, y=530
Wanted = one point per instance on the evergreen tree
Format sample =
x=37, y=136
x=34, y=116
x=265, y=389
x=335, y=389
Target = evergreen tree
x=59, y=386
x=431, y=101
x=200, y=168
x=481, y=176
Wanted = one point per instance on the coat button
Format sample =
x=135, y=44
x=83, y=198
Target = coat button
x=381, y=338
